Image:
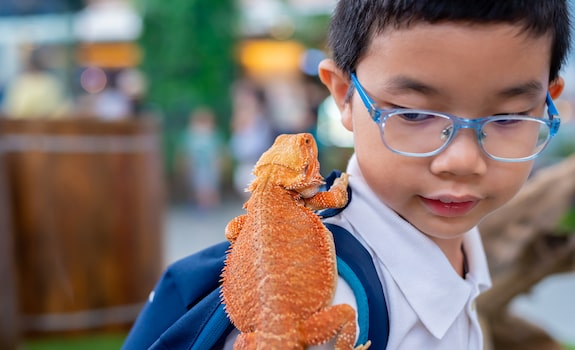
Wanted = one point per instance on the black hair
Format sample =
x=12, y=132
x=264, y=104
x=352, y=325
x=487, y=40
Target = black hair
x=355, y=22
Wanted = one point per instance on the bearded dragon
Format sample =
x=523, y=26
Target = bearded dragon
x=280, y=273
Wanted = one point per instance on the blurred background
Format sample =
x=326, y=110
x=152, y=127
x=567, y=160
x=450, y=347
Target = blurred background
x=128, y=131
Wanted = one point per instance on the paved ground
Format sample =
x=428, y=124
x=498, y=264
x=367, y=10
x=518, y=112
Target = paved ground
x=551, y=305
x=188, y=231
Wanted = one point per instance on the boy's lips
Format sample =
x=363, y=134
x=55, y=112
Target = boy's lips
x=449, y=206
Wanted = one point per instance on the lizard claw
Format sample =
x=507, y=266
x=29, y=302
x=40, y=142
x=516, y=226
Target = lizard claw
x=342, y=180
x=364, y=346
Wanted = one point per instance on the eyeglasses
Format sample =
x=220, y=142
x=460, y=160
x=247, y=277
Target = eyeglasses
x=422, y=133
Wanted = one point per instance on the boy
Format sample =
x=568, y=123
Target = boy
x=420, y=183
x=414, y=81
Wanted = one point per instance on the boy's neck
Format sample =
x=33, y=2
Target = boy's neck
x=453, y=250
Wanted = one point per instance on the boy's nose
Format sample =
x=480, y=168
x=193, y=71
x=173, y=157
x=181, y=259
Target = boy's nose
x=462, y=157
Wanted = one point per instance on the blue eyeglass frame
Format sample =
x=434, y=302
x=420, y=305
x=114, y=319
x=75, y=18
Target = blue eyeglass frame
x=380, y=115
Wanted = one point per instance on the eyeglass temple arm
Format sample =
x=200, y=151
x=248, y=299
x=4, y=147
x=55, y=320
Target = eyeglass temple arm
x=553, y=115
x=367, y=101
x=551, y=109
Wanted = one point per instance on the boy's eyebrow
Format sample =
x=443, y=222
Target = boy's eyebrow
x=530, y=88
x=401, y=83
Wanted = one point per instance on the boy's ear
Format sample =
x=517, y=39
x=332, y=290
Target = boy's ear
x=338, y=84
x=556, y=87
x=335, y=80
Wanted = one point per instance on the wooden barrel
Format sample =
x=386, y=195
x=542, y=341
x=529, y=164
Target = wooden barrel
x=9, y=330
x=87, y=199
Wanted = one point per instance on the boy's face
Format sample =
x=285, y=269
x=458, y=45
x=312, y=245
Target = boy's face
x=467, y=70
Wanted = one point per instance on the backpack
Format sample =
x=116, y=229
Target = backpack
x=185, y=310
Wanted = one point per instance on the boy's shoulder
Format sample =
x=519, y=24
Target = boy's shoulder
x=197, y=279
x=205, y=266
x=187, y=299
x=206, y=261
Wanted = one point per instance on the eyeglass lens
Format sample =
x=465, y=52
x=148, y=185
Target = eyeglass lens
x=421, y=133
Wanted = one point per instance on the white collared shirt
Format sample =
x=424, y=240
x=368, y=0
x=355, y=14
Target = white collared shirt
x=430, y=306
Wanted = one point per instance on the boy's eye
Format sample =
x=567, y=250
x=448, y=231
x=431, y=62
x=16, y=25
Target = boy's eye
x=505, y=122
x=416, y=117
x=524, y=113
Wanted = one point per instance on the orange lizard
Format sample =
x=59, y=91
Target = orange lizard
x=280, y=273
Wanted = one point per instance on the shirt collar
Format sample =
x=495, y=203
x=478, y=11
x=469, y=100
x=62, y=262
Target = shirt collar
x=429, y=283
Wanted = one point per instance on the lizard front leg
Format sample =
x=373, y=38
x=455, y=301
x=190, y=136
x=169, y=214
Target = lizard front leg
x=335, y=197
x=234, y=227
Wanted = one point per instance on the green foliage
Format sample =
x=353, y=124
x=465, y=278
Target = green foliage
x=311, y=30
x=188, y=50
x=567, y=222
x=92, y=342
x=188, y=57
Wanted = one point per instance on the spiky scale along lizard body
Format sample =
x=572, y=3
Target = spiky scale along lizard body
x=280, y=274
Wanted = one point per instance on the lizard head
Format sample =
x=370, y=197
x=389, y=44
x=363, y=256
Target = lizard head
x=292, y=163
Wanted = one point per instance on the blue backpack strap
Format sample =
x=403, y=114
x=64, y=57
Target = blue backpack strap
x=355, y=265
x=204, y=327
x=357, y=269
x=345, y=272
x=216, y=329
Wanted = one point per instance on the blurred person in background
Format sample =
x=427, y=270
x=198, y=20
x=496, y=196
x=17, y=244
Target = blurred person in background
x=112, y=103
x=252, y=132
x=203, y=147
x=35, y=92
